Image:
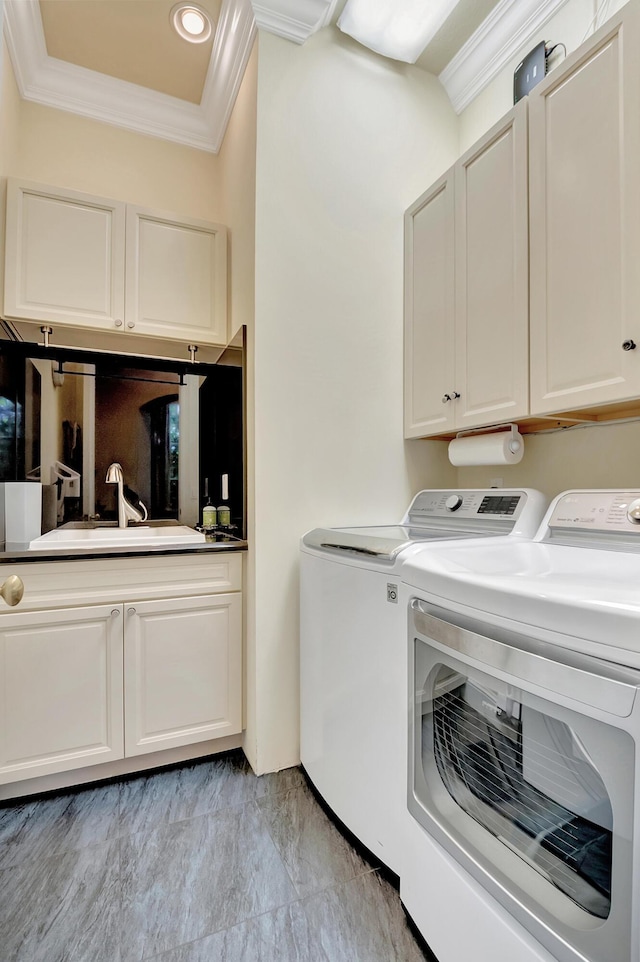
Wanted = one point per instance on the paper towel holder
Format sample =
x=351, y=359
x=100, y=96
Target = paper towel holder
x=515, y=444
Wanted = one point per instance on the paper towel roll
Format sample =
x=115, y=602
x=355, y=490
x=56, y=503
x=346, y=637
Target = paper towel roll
x=505, y=447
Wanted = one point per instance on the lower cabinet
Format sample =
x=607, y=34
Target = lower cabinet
x=98, y=683
x=182, y=669
x=61, y=683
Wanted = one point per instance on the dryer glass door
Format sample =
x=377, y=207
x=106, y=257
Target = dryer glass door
x=526, y=777
x=530, y=789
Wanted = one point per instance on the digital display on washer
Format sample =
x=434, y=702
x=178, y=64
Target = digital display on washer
x=497, y=504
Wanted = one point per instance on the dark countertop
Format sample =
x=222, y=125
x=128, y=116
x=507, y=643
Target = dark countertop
x=129, y=551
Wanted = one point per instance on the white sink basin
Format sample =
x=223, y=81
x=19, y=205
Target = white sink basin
x=68, y=538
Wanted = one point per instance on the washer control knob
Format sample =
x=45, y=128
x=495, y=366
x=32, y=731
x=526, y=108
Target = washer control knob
x=633, y=511
x=454, y=501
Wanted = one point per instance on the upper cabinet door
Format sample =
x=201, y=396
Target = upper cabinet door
x=429, y=347
x=492, y=275
x=176, y=277
x=585, y=223
x=64, y=259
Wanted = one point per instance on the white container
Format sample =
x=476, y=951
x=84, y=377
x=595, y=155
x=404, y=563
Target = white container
x=22, y=513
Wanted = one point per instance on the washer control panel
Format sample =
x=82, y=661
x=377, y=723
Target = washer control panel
x=598, y=511
x=492, y=504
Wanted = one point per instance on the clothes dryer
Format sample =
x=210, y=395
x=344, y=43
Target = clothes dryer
x=523, y=776
x=352, y=642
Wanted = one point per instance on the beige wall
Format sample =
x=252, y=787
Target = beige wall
x=9, y=113
x=238, y=174
x=596, y=457
x=9, y=125
x=237, y=179
x=56, y=147
x=346, y=141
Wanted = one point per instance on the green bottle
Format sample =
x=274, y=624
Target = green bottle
x=209, y=513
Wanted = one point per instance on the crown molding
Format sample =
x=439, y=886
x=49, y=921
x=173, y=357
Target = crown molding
x=64, y=86
x=507, y=29
x=232, y=46
x=293, y=20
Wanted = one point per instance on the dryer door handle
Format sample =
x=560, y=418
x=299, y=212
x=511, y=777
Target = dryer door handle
x=550, y=667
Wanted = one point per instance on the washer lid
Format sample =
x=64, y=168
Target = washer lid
x=383, y=542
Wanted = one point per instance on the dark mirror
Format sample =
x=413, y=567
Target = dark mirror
x=175, y=428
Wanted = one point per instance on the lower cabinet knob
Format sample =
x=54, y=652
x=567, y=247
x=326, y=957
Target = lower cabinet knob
x=12, y=590
x=131, y=611
x=115, y=612
x=628, y=345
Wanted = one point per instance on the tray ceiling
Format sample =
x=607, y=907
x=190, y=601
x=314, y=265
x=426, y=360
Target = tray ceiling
x=120, y=62
x=132, y=40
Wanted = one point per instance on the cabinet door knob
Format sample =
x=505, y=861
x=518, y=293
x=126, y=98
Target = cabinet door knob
x=115, y=612
x=118, y=322
x=628, y=345
x=12, y=590
x=450, y=397
x=131, y=611
x=131, y=325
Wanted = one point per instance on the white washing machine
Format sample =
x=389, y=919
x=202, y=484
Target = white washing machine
x=352, y=643
x=522, y=836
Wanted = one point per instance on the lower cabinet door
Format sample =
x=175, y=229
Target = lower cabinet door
x=182, y=666
x=61, y=683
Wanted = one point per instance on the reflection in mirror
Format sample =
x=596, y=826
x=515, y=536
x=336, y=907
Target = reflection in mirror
x=66, y=416
x=13, y=444
x=137, y=424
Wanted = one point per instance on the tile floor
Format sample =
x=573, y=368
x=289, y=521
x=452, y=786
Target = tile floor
x=202, y=863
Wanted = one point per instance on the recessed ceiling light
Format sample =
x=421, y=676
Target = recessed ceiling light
x=399, y=29
x=191, y=21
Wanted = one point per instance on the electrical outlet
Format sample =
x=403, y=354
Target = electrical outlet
x=496, y=483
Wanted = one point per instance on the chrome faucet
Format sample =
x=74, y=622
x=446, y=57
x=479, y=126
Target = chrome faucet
x=126, y=511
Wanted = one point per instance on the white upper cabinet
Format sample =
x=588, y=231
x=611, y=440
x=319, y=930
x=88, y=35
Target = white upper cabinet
x=176, y=277
x=585, y=224
x=466, y=289
x=73, y=259
x=492, y=276
x=429, y=311
x=64, y=257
